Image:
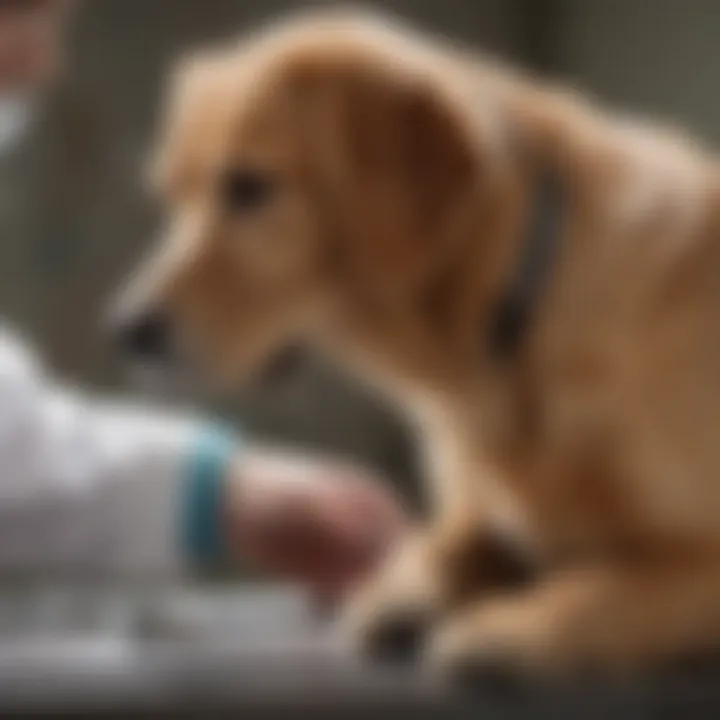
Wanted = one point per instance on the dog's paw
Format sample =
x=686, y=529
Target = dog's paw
x=395, y=636
x=389, y=619
x=499, y=644
x=390, y=623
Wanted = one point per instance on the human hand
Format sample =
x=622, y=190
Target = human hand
x=323, y=523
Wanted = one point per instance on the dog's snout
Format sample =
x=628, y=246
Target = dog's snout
x=145, y=336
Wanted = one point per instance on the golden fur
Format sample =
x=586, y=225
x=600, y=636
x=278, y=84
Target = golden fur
x=405, y=172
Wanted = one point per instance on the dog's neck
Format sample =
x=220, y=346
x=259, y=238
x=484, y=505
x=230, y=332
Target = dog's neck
x=462, y=322
x=444, y=338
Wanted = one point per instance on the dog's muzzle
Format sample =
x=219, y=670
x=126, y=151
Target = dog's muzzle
x=146, y=337
x=284, y=365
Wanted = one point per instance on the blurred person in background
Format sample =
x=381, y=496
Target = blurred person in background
x=94, y=485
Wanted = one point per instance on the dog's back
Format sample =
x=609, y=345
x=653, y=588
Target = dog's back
x=622, y=370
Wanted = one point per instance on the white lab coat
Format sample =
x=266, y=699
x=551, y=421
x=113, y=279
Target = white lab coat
x=85, y=485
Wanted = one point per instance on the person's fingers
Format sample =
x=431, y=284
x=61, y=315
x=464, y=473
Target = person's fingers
x=328, y=530
x=374, y=522
x=303, y=536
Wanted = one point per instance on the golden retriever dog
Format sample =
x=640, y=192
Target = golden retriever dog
x=534, y=281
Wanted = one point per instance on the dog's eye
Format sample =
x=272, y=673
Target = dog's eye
x=244, y=189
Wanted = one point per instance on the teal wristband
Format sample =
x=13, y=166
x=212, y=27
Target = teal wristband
x=204, y=538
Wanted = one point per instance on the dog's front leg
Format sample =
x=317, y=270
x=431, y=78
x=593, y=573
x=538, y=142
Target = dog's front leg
x=434, y=571
x=457, y=555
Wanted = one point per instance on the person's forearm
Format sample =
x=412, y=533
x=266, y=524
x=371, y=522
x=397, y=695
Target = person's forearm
x=88, y=485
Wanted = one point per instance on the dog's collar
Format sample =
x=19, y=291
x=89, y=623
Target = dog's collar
x=537, y=256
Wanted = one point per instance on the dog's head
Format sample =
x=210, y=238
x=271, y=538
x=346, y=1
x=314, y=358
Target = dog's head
x=323, y=168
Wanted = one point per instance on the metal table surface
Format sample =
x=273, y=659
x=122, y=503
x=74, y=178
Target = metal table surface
x=251, y=653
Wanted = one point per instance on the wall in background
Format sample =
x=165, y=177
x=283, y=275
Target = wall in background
x=660, y=57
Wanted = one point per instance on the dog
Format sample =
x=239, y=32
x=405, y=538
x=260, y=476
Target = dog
x=533, y=280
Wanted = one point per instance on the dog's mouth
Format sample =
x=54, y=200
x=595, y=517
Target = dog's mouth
x=160, y=360
x=282, y=366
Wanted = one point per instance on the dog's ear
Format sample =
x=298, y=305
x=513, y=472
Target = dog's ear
x=404, y=165
x=197, y=81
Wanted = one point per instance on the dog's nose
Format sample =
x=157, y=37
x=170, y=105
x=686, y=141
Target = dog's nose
x=146, y=336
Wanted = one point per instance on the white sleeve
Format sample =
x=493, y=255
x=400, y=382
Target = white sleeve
x=86, y=485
